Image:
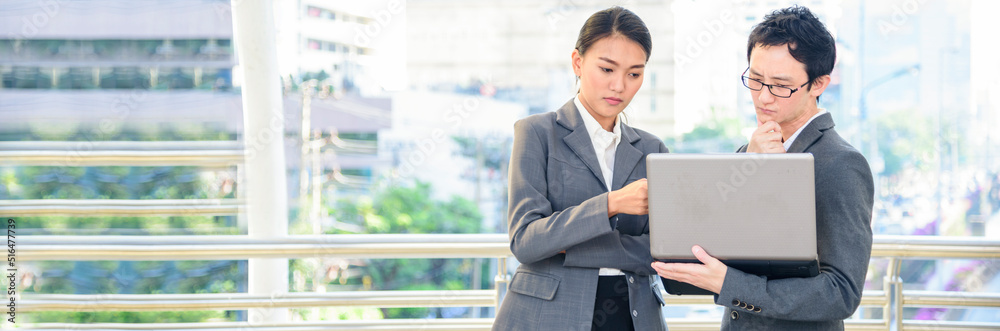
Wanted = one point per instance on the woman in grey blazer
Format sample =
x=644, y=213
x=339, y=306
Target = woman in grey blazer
x=578, y=206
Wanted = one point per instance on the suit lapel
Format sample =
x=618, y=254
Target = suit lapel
x=811, y=133
x=626, y=157
x=578, y=139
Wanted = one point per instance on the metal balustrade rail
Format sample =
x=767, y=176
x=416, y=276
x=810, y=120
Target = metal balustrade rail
x=935, y=247
x=892, y=299
x=121, y=207
x=150, y=248
x=121, y=153
x=456, y=324
x=235, y=301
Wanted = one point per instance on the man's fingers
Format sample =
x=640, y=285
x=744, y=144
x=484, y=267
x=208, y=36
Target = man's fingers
x=768, y=126
x=677, y=271
x=703, y=256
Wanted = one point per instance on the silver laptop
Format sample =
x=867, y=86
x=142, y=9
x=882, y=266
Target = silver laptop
x=754, y=212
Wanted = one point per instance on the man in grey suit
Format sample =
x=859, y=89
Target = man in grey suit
x=791, y=56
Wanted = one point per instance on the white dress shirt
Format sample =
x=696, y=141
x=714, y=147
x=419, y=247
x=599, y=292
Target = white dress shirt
x=788, y=142
x=605, y=146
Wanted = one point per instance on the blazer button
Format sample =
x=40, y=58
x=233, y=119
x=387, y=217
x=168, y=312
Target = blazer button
x=736, y=302
x=743, y=304
x=734, y=315
x=756, y=309
x=635, y=313
x=631, y=280
x=750, y=307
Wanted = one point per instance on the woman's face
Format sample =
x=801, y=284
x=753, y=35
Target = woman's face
x=610, y=74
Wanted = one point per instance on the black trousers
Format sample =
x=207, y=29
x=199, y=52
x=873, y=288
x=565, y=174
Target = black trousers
x=611, y=308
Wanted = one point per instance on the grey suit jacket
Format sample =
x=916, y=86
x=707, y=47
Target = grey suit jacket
x=558, y=201
x=844, y=199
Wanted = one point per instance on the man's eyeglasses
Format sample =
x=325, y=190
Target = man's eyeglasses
x=776, y=90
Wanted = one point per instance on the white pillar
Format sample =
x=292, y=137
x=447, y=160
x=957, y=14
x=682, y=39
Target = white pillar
x=263, y=134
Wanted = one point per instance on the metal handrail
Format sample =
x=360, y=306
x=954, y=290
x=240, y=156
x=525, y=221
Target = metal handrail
x=384, y=324
x=120, y=207
x=935, y=247
x=183, y=145
x=121, y=153
x=948, y=325
x=230, y=301
x=951, y=299
x=892, y=299
x=205, y=158
x=139, y=248
x=387, y=245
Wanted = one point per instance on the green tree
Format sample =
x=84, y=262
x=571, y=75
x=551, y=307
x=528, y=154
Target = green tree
x=411, y=209
x=122, y=277
x=717, y=135
x=906, y=140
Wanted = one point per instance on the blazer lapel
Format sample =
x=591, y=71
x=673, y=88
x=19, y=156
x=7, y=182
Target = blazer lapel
x=811, y=133
x=578, y=139
x=626, y=157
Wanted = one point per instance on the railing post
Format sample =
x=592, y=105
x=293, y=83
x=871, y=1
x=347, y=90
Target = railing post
x=502, y=280
x=892, y=312
x=263, y=136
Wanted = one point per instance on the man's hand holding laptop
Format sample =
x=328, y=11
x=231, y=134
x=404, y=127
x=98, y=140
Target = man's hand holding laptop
x=708, y=275
x=711, y=273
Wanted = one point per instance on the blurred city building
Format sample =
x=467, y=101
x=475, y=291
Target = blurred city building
x=519, y=51
x=101, y=70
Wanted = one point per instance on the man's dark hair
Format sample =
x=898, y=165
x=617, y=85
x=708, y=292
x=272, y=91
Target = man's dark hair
x=611, y=21
x=806, y=37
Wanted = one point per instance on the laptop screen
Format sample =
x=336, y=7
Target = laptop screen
x=737, y=206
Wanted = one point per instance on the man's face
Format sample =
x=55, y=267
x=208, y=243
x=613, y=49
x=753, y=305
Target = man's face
x=775, y=66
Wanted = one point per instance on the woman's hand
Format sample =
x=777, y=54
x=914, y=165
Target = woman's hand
x=631, y=199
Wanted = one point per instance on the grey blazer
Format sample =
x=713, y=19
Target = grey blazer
x=558, y=201
x=844, y=199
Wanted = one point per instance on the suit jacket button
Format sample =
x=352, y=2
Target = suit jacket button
x=756, y=309
x=750, y=307
x=736, y=302
x=743, y=304
x=635, y=313
x=734, y=315
x=631, y=280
